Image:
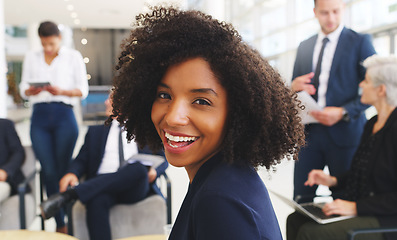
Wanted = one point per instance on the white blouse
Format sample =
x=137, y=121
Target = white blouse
x=67, y=71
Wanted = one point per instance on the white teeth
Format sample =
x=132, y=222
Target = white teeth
x=179, y=139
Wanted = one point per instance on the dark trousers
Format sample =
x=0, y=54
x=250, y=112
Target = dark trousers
x=53, y=132
x=128, y=185
x=320, y=150
x=300, y=227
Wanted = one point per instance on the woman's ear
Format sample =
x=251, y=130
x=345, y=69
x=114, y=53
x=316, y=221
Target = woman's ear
x=382, y=90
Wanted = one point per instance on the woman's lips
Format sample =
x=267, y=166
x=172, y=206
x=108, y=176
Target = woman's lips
x=177, y=143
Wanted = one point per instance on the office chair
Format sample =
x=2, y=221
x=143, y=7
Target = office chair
x=353, y=233
x=144, y=217
x=24, y=203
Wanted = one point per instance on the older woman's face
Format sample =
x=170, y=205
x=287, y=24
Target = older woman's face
x=370, y=93
x=190, y=113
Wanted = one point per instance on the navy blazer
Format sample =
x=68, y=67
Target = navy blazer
x=345, y=75
x=12, y=154
x=91, y=153
x=226, y=202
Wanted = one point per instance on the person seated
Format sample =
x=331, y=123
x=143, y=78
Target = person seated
x=371, y=183
x=107, y=182
x=11, y=159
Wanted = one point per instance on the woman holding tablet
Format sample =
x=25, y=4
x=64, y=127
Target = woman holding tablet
x=54, y=128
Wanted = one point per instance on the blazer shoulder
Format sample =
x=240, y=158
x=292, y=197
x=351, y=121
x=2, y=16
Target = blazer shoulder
x=309, y=41
x=6, y=124
x=4, y=121
x=354, y=35
x=98, y=127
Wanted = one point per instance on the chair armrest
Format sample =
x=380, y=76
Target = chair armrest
x=23, y=188
x=168, y=199
x=354, y=232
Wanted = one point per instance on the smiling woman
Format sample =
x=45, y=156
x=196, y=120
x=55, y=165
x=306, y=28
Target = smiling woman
x=188, y=84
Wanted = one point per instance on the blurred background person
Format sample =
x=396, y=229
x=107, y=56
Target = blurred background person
x=328, y=67
x=107, y=180
x=371, y=182
x=12, y=156
x=53, y=129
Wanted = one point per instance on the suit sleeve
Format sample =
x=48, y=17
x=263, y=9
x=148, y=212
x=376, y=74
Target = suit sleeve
x=222, y=217
x=355, y=107
x=79, y=165
x=298, y=62
x=15, y=149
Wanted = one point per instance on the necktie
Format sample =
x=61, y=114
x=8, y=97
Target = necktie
x=121, y=151
x=318, y=68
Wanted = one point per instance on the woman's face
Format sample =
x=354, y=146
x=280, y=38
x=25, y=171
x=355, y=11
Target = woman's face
x=51, y=45
x=189, y=114
x=369, y=91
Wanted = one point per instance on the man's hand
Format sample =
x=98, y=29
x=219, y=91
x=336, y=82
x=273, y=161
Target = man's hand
x=317, y=177
x=303, y=83
x=328, y=116
x=152, y=174
x=3, y=175
x=70, y=179
x=340, y=207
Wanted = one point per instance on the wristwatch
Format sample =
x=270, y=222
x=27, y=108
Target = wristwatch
x=345, y=115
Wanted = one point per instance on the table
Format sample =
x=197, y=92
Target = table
x=146, y=237
x=33, y=235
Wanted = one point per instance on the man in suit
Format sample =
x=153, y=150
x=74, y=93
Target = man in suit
x=12, y=156
x=107, y=182
x=328, y=67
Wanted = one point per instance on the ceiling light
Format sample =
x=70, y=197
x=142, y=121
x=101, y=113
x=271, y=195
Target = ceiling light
x=76, y=21
x=88, y=76
x=84, y=41
x=70, y=7
x=73, y=15
x=86, y=60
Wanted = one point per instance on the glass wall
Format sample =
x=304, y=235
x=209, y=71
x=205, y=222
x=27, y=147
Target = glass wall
x=276, y=27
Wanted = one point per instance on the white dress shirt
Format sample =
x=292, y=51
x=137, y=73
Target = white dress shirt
x=329, y=52
x=110, y=161
x=67, y=71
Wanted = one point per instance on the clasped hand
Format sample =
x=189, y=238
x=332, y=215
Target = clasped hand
x=329, y=115
x=51, y=89
x=338, y=206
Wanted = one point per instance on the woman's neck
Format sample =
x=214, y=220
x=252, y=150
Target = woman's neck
x=384, y=110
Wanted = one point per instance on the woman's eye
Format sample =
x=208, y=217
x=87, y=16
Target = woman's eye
x=202, y=102
x=164, y=96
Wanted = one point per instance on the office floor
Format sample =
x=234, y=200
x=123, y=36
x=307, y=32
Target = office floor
x=280, y=181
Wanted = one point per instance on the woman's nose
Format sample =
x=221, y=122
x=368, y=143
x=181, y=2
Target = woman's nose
x=177, y=114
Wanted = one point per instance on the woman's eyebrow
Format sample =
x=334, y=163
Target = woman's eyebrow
x=163, y=85
x=204, y=90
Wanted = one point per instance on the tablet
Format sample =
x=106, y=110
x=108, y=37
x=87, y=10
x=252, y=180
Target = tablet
x=39, y=84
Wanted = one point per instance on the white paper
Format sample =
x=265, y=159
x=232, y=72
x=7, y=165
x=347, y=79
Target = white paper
x=310, y=105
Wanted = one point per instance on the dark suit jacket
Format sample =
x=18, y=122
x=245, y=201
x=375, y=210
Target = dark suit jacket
x=90, y=156
x=345, y=75
x=12, y=154
x=226, y=202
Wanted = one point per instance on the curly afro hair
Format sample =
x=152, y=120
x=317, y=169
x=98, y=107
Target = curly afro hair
x=263, y=126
